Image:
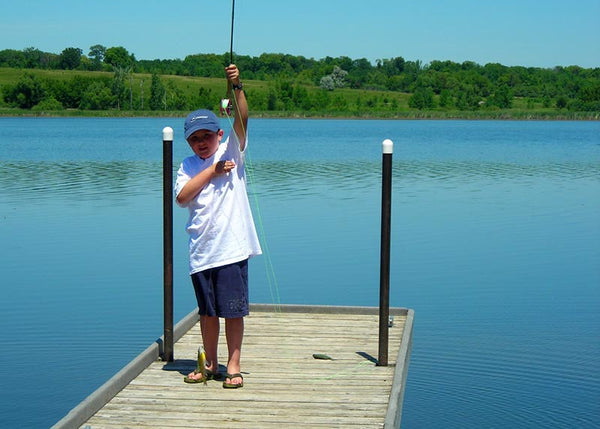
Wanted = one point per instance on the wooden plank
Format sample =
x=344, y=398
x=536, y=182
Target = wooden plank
x=283, y=383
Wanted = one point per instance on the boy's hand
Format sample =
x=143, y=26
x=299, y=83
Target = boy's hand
x=223, y=167
x=233, y=74
x=240, y=123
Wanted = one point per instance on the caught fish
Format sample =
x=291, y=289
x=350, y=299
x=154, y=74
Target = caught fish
x=201, y=368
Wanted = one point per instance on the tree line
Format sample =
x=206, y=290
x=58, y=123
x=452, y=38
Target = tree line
x=442, y=85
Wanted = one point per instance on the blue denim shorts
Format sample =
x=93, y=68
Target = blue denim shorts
x=223, y=291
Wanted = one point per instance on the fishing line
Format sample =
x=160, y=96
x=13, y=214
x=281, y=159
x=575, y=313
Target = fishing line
x=230, y=107
x=269, y=268
x=359, y=368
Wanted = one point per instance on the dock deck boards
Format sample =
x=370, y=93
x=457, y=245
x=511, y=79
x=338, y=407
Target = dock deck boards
x=283, y=383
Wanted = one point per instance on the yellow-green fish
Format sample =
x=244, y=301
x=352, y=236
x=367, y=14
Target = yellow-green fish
x=201, y=368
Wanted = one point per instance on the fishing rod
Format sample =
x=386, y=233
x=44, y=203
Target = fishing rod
x=227, y=109
x=231, y=38
x=227, y=102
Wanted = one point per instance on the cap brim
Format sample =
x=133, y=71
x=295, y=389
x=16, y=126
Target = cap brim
x=199, y=127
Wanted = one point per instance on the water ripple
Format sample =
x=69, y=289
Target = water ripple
x=499, y=379
x=297, y=179
x=21, y=181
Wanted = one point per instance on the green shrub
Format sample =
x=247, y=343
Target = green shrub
x=48, y=104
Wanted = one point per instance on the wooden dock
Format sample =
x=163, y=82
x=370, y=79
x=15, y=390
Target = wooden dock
x=283, y=383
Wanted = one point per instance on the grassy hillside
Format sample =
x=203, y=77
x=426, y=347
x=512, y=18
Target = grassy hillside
x=266, y=98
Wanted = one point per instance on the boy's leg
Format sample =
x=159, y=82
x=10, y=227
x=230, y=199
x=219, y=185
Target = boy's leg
x=204, y=283
x=209, y=327
x=234, y=331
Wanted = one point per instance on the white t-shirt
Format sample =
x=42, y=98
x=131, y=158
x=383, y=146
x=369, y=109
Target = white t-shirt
x=220, y=225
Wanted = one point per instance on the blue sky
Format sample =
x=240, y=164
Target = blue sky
x=535, y=33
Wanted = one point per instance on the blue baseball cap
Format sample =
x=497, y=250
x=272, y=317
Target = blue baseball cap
x=201, y=120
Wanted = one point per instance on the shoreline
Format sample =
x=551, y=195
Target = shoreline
x=424, y=115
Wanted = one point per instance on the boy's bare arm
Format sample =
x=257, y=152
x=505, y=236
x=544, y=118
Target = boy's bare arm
x=200, y=180
x=240, y=123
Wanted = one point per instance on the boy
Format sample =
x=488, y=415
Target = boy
x=212, y=185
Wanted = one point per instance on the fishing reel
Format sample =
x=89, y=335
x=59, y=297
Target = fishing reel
x=226, y=105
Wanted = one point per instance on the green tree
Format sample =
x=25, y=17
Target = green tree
x=561, y=102
x=118, y=85
x=588, y=96
x=272, y=100
x=257, y=99
x=285, y=90
x=394, y=83
x=175, y=98
x=97, y=53
x=33, y=57
x=27, y=92
x=321, y=101
x=358, y=74
x=119, y=57
x=300, y=98
x=502, y=97
x=69, y=92
x=199, y=65
x=392, y=66
x=12, y=58
x=157, y=93
x=70, y=58
x=546, y=102
x=421, y=99
x=445, y=98
x=205, y=99
x=97, y=97
x=48, y=104
x=467, y=98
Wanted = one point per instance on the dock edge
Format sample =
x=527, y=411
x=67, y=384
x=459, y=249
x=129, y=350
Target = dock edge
x=101, y=396
x=393, y=416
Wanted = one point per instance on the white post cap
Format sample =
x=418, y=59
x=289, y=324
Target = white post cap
x=388, y=146
x=167, y=134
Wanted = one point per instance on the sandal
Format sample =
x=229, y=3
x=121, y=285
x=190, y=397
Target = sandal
x=233, y=385
x=209, y=375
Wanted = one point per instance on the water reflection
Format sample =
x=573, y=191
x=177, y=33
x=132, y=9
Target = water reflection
x=297, y=178
x=117, y=180
x=109, y=182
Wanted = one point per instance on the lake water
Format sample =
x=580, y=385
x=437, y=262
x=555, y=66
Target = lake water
x=495, y=245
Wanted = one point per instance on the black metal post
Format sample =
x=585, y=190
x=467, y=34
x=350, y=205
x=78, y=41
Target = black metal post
x=168, y=243
x=384, y=274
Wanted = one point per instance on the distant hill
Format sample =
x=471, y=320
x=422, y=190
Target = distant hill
x=112, y=80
